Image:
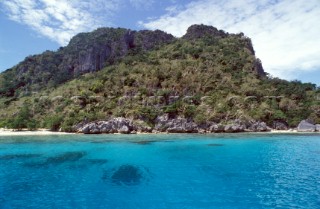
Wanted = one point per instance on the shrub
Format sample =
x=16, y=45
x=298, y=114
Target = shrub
x=148, y=114
x=96, y=87
x=32, y=125
x=54, y=122
x=200, y=118
x=189, y=111
x=173, y=109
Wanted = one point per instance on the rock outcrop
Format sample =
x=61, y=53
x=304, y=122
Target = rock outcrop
x=93, y=51
x=233, y=128
x=257, y=126
x=216, y=128
x=169, y=125
x=305, y=126
x=280, y=125
x=178, y=125
x=115, y=125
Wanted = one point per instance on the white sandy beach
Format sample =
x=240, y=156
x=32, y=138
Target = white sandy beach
x=9, y=132
x=284, y=131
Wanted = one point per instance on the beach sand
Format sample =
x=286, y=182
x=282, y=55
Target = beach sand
x=40, y=132
x=284, y=131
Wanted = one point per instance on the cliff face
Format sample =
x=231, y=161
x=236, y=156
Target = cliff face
x=89, y=52
x=86, y=52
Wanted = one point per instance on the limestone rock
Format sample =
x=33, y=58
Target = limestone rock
x=177, y=125
x=280, y=125
x=257, y=126
x=114, y=125
x=216, y=128
x=305, y=126
x=124, y=130
x=233, y=128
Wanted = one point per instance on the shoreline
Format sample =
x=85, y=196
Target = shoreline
x=46, y=132
x=39, y=132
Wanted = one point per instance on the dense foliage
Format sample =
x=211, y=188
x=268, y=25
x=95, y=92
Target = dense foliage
x=208, y=77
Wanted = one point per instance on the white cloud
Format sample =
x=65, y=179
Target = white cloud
x=60, y=20
x=285, y=34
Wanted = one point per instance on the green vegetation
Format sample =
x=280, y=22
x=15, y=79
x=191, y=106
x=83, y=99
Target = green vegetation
x=210, y=78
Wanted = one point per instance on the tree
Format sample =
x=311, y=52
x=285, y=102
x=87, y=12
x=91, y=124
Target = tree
x=23, y=119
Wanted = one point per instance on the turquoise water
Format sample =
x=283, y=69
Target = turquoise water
x=160, y=171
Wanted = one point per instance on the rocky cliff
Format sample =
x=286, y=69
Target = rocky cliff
x=89, y=52
x=86, y=52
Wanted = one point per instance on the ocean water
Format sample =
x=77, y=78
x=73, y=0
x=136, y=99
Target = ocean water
x=160, y=171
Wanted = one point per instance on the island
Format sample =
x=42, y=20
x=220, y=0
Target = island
x=116, y=80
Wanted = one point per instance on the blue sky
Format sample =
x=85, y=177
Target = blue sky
x=285, y=33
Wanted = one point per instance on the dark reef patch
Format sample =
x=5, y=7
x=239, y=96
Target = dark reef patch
x=102, y=141
x=145, y=142
x=18, y=156
x=97, y=161
x=88, y=163
x=65, y=157
x=215, y=145
x=128, y=175
x=34, y=164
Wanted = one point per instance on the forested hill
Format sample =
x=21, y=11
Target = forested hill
x=207, y=76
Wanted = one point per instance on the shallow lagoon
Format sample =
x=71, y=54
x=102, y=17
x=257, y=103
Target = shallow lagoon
x=160, y=171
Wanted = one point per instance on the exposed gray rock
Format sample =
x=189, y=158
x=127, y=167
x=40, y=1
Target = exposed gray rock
x=233, y=128
x=318, y=127
x=161, y=123
x=311, y=121
x=202, y=131
x=85, y=129
x=280, y=125
x=305, y=126
x=183, y=127
x=114, y=125
x=162, y=118
x=257, y=126
x=177, y=125
x=170, y=125
x=106, y=47
x=216, y=128
x=124, y=130
x=206, y=126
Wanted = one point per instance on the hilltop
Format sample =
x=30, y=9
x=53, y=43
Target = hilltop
x=152, y=80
